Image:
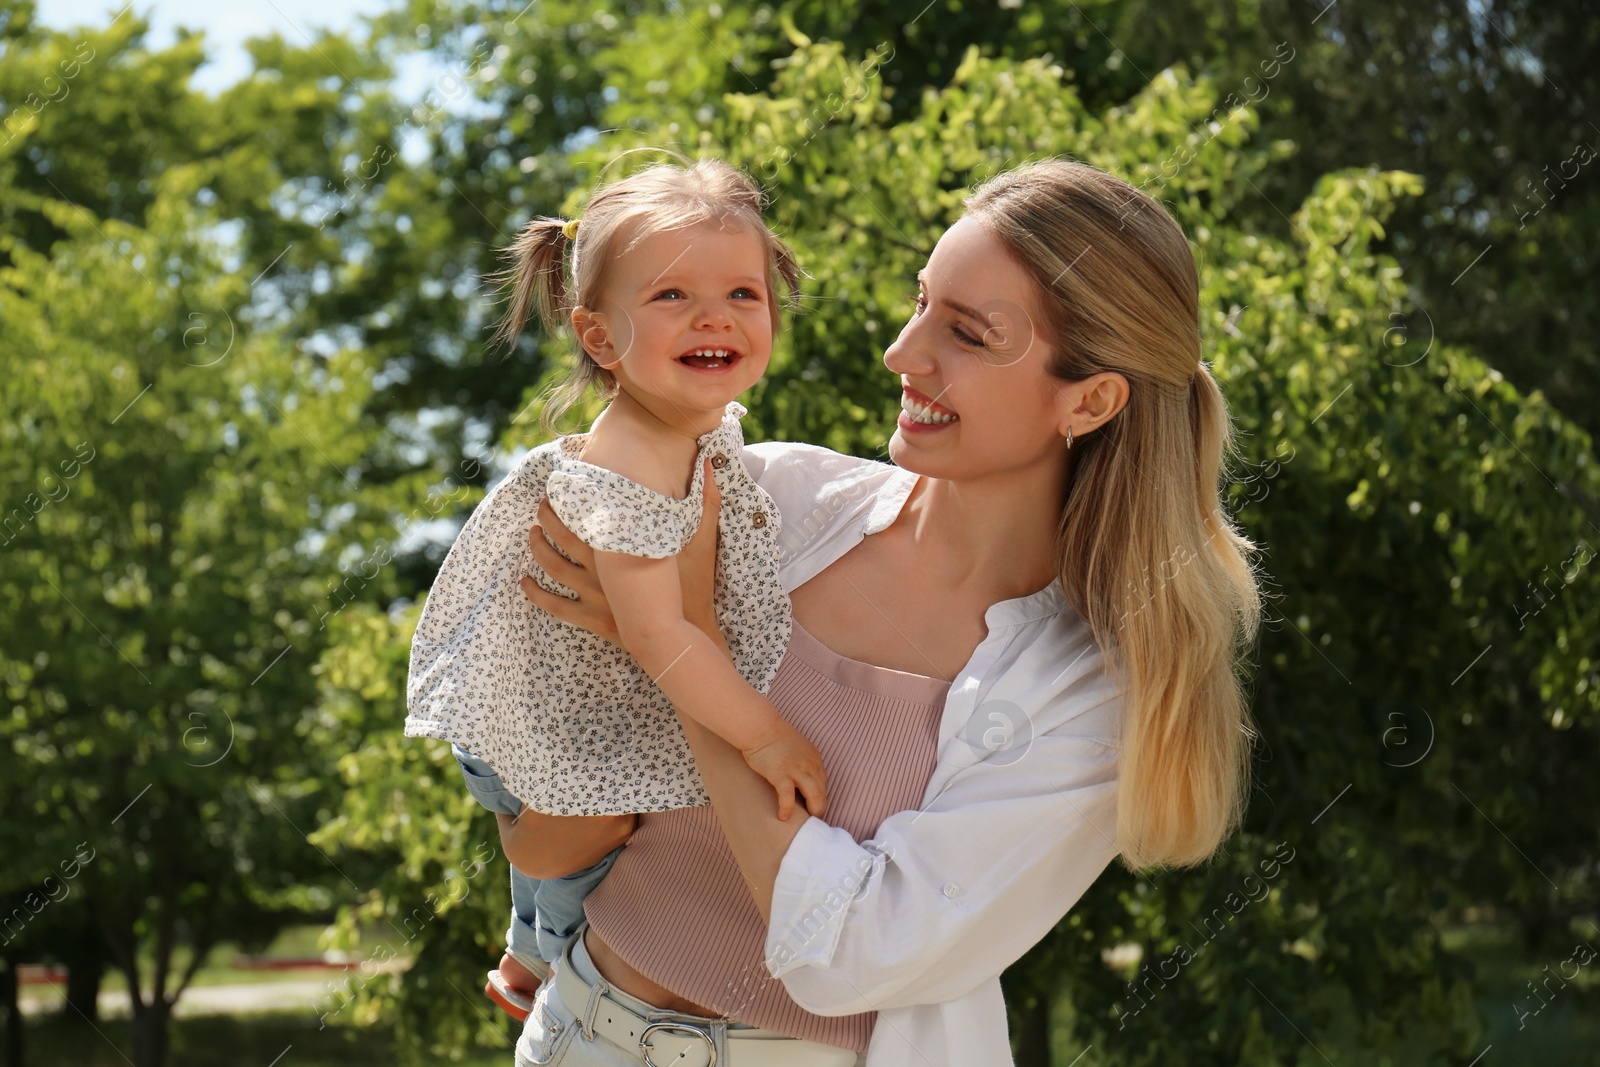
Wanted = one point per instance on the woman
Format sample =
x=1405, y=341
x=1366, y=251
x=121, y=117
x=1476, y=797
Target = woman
x=1032, y=621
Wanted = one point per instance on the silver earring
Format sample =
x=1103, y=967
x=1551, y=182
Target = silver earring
x=1069, y=436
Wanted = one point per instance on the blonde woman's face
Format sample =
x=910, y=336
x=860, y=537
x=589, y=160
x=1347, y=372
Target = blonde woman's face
x=686, y=318
x=976, y=397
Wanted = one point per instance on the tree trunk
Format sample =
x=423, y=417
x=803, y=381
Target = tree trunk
x=85, y=957
x=1033, y=1035
x=150, y=1034
x=9, y=986
x=83, y=989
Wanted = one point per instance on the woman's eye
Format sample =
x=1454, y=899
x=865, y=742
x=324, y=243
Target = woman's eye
x=920, y=302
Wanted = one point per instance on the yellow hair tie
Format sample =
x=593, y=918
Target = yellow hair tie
x=571, y=230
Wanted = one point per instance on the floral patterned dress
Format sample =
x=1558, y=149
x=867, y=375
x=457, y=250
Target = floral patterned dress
x=569, y=721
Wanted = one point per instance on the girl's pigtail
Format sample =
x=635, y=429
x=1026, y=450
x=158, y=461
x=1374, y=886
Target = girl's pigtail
x=536, y=278
x=788, y=269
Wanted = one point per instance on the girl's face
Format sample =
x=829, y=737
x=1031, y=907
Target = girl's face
x=976, y=398
x=685, y=324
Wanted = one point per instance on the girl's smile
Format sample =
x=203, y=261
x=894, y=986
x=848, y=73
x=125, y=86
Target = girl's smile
x=686, y=325
x=711, y=359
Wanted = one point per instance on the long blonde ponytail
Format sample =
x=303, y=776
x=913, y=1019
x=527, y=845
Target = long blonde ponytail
x=1148, y=556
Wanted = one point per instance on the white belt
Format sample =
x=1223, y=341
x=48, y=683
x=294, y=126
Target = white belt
x=677, y=1039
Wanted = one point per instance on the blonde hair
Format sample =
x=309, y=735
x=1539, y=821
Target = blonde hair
x=1148, y=556
x=667, y=196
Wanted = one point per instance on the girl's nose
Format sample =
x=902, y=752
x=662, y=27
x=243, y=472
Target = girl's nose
x=713, y=316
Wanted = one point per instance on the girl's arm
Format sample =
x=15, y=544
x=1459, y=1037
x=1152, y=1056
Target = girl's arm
x=702, y=683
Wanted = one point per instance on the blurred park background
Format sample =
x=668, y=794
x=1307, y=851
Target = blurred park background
x=248, y=398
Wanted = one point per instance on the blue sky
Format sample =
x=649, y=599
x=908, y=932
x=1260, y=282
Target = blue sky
x=227, y=24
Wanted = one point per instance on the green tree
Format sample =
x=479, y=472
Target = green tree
x=1424, y=516
x=1376, y=459
x=172, y=569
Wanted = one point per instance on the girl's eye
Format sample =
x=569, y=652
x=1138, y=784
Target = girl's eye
x=747, y=292
x=668, y=292
x=920, y=302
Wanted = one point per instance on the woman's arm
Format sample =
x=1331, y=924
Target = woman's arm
x=940, y=900
x=741, y=798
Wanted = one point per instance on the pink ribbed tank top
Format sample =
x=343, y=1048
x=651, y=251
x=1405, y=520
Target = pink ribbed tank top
x=674, y=904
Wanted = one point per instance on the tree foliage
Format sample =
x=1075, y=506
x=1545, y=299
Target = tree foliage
x=260, y=317
x=1378, y=462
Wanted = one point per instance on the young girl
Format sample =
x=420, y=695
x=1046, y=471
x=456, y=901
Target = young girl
x=674, y=307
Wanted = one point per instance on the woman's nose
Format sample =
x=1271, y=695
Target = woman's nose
x=907, y=355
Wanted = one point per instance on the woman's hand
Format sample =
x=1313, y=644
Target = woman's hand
x=573, y=567
x=697, y=563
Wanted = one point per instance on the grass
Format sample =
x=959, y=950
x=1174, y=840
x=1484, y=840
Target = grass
x=1565, y=1033
x=220, y=1041
x=298, y=942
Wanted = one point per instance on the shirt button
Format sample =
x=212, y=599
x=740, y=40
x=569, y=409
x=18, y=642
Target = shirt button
x=951, y=889
x=719, y=461
x=759, y=519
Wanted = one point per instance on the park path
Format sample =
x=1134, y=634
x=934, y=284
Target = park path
x=313, y=995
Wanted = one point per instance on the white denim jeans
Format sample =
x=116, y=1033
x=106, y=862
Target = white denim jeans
x=554, y=1034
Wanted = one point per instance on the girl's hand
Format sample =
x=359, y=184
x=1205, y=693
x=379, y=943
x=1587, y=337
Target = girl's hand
x=790, y=762
x=573, y=567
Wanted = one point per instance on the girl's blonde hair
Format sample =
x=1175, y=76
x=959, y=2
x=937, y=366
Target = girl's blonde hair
x=1148, y=556
x=668, y=196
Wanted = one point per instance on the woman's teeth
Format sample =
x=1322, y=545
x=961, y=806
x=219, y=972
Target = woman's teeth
x=919, y=413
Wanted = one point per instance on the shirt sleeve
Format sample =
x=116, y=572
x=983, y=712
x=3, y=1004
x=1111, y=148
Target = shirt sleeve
x=616, y=514
x=943, y=899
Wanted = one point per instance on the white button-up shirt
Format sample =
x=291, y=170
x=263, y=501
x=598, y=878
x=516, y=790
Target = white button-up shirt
x=1018, y=818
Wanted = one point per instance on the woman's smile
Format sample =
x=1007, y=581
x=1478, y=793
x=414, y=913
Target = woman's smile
x=920, y=414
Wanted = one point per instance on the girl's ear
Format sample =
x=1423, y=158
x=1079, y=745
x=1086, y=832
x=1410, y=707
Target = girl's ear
x=593, y=336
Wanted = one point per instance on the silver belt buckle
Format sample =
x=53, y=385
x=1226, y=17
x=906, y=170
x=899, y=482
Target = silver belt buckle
x=644, y=1040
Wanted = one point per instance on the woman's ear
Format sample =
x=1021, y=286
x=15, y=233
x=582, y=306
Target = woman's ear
x=1088, y=403
x=593, y=336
